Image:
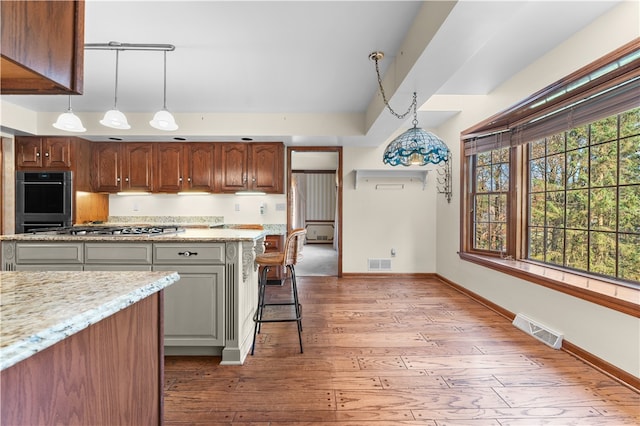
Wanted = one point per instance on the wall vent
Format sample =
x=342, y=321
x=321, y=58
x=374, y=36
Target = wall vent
x=539, y=331
x=379, y=264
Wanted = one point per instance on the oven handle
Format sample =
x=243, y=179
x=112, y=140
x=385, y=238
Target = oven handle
x=42, y=183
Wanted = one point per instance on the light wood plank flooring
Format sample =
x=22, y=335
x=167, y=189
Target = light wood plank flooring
x=394, y=351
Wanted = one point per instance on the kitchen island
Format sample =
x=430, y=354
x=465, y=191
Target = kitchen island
x=209, y=312
x=82, y=347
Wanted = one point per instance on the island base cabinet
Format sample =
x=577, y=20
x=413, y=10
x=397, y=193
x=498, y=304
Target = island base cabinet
x=194, y=310
x=110, y=373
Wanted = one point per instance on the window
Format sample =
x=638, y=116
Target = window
x=584, y=198
x=555, y=180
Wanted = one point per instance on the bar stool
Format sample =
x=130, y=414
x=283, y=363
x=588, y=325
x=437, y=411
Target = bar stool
x=287, y=258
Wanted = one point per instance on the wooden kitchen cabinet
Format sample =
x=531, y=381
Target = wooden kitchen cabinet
x=274, y=244
x=186, y=167
x=49, y=153
x=56, y=153
x=252, y=167
x=42, y=47
x=122, y=167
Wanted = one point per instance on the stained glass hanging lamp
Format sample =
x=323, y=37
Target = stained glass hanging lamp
x=415, y=146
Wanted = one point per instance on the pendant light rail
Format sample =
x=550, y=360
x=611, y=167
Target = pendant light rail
x=116, y=45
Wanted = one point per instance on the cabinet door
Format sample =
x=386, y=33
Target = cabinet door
x=274, y=244
x=137, y=166
x=169, y=161
x=194, y=306
x=266, y=166
x=201, y=166
x=57, y=153
x=29, y=153
x=233, y=159
x=105, y=173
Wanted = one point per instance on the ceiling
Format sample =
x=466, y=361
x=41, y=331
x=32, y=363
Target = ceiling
x=299, y=71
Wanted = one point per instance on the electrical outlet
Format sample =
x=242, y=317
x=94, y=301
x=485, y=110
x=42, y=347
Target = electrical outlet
x=393, y=252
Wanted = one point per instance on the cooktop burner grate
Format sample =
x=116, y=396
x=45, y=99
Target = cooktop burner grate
x=109, y=230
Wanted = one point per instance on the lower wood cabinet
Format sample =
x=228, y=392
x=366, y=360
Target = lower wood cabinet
x=274, y=244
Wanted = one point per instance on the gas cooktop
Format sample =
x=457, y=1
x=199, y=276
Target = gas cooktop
x=108, y=230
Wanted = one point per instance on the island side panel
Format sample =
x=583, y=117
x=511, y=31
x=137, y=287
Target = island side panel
x=109, y=373
x=242, y=299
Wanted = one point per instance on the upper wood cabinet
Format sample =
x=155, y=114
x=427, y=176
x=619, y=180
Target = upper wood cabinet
x=43, y=153
x=252, y=166
x=186, y=167
x=55, y=153
x=122, y=167
x=42, y=47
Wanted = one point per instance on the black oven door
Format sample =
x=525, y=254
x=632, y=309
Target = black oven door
x=43, y=198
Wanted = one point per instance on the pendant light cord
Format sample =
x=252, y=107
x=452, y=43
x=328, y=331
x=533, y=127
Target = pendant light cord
x=115, y=98
x=164, y=103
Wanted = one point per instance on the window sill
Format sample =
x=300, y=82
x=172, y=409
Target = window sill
x=617, y=297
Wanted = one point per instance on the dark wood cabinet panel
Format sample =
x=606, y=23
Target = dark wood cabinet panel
x=137, y=167
x=266, y=165
x=274, y=244
x=252, y=166
x=28, y=153
x=42, y=47
x=105, y=173
x=47, y=153
x=233, y=158
x=169, y=160
x=202, y=169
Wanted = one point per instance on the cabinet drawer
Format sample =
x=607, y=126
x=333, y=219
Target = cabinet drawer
x=49, y=253
x=184, y=253
x=118, y=253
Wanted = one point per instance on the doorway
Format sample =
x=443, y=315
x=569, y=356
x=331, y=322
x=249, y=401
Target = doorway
x=316, y=167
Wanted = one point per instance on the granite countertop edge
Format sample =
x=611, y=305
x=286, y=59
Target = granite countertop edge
x=28, y=346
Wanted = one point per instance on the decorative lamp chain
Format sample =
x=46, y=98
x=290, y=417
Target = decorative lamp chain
x=376, y=56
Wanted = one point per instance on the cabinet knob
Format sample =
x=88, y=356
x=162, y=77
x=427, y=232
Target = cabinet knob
x=188, y=179
x=126, y=179
x=46, y=154
x=188, y=253
x=37, y=154
x=118, y=179
x=180, y=179
x=253, y=180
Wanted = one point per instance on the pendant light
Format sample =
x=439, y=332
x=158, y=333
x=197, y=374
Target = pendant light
x=163, y=119
x=69, y=122
x=415, y=146
x=114, y=118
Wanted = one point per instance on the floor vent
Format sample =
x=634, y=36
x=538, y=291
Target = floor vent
x=539, y=331
x=379, y=264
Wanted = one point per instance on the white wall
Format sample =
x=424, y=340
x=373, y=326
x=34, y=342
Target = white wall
x=375, y=221
x=608, y=334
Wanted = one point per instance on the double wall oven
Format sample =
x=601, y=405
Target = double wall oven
x=43, y=200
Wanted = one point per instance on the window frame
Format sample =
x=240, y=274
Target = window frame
x=602, y=291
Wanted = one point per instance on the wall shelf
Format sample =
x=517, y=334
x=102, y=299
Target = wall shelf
x=365, y=174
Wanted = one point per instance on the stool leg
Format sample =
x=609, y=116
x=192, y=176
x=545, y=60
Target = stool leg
x=257, y=318
x=296, y=301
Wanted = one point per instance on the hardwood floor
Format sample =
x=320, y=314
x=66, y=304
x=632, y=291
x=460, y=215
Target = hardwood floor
x=399, y=351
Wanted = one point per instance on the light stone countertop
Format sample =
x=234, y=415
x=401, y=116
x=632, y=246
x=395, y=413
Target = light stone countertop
x=39, y=309
x=189, y=235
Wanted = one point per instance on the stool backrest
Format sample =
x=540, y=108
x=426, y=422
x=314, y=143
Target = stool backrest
x=293, y=246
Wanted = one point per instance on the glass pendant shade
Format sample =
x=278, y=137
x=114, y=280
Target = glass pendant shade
x=163, y=120
x=69, y=122
x=115, y=119
x=416, y=147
